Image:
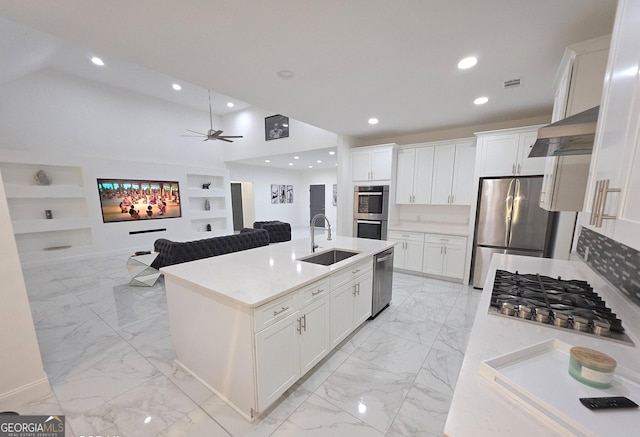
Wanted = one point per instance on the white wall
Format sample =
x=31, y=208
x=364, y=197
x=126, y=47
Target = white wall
x=250, y=124
x=22, y=377
x=297, y=213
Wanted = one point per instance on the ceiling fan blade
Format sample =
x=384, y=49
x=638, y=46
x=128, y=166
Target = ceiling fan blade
x=230, y=136
x=224, y=139
x=198, y=136
x=200, y=133
x=217, y=133
x=206, y=139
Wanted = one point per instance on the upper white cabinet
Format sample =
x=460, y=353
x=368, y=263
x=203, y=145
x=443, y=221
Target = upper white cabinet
x=414, y=175
x=371, y=163
x=453, y=174
x=505, y=153
x=437, y=173
x=578, y=88
x=611, y=205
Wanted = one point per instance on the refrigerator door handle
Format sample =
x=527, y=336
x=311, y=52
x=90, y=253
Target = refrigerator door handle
x=509, y=212
x=515, y=207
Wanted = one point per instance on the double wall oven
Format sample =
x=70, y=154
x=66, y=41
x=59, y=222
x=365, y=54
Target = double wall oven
x=371, y=211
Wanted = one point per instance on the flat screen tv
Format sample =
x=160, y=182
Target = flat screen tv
x=124, y=200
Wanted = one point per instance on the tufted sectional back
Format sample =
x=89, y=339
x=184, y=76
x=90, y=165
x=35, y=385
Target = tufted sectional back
x=278, y=231
x=175, y=252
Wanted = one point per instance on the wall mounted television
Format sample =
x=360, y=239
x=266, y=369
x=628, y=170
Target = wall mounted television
x=124, y=200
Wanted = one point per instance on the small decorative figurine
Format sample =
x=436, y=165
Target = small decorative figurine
x=206, y=186
x=41, y=178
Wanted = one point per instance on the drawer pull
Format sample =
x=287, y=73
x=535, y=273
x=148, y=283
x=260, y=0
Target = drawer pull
x=315, y=293
x=275, y=313
x=355, y=271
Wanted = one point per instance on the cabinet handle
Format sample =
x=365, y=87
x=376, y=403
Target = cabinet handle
x=358, y=288
x=603, y=201
x=519, y=168
x=513, y=169
x=596, y=203
x=315, y=293
x=445, y=250
x=275, y=313
x=354, y=290
x=304, y=323
x=299, y=328
x=440, y=250
x=355, y=271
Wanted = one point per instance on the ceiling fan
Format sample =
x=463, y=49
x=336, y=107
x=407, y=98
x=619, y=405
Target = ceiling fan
x=212, y=134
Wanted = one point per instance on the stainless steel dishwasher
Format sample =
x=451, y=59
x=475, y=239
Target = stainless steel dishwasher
x=382, y=281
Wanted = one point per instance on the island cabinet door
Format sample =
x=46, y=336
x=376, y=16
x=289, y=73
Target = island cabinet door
x=314, y=334
x=342, y=301
x=277, y=359
x=362, y=299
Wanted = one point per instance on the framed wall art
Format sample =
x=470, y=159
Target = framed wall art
x=275, y=127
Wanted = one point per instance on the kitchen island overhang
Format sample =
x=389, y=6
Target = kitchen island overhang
x=245, y=318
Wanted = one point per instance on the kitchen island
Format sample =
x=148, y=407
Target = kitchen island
x=249, y=324
x=479, y=407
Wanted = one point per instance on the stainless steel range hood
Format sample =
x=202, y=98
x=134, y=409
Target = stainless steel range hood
x=573, y=135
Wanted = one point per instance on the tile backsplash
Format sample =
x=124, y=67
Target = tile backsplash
x=617, y=263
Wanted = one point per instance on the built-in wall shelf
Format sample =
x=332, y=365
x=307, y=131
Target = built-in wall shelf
x=207, y=206
x=59, y=190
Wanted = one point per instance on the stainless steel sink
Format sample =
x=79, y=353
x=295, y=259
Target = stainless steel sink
x=329, y=257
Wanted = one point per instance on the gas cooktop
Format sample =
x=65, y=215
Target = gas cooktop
x=555, y=302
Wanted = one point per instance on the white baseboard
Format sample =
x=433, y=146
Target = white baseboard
x=14, y=399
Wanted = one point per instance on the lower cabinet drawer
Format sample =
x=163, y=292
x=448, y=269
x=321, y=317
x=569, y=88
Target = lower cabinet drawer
x=445, y=240
x=313, y=292
x=271, y=312
x=351, y=272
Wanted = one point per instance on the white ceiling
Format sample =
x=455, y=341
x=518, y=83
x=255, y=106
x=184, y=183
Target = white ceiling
x=352, y=60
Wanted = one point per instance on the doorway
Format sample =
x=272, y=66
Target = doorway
x=316, y=203
x=242, y=205
x=236, y=205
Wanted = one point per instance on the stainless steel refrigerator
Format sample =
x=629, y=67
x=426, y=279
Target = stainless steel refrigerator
x=509, y=221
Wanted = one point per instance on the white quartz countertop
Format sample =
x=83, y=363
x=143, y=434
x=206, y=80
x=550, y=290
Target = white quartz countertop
x=478, y=408
x=256, y=276
x=458, y=229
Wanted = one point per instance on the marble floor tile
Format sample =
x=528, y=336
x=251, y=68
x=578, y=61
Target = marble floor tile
x=318, y=417
x=440, y=371
x=143, y=411
x=392, y=353
x=423, y=413
x=197, y=423
x=367, y=392
x=107, y=351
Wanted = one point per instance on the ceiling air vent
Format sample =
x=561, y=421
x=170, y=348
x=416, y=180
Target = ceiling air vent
x=512, y=83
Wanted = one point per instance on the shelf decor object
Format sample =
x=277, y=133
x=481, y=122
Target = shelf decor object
x=537, y=377
x=41, y=178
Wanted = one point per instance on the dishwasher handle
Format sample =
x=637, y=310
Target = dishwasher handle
x=383, y=259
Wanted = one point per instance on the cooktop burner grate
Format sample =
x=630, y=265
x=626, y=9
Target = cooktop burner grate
x=555, y=302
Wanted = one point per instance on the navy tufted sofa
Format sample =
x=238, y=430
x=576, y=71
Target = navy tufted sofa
x=278, y=231
x=176, y=252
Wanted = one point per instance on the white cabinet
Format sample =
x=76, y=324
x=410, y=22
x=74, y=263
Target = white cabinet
x=69, y=229
x=437, y=173
x=616, y=154
x=453, y=174
x=293, y=341
x=579, y=87
x=414, y=175
x=408, y=251
x=371, y=163
x=444, y=255
x=351, y=298
x=505, y=153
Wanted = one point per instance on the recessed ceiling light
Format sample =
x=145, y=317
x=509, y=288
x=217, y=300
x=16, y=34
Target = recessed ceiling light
x=310, y=166
x=467, y=62
x=291, y=163
x=267, y=160
x=285, y=74
x=332, y=153
x=97, y=61
x=230, y=105
x=481, y=100
x=176, y=87
x=319, y=161
x=373, y=121
x=296, y=157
